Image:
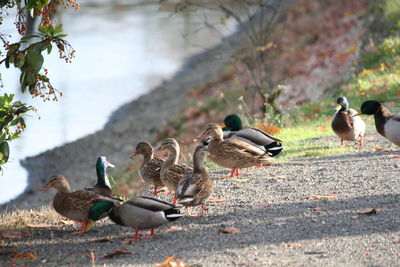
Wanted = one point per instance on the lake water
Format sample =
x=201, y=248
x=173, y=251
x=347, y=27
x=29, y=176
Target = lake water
x=123, y=50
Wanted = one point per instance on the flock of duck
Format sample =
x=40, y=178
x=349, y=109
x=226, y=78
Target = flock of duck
x=230, y=146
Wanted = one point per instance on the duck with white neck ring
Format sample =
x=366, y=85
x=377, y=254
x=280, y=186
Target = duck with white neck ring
x=346, y=125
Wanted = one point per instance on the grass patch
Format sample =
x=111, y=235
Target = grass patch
x=310, y=139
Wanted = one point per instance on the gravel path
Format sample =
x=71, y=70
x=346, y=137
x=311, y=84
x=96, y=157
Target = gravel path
x=279, y=225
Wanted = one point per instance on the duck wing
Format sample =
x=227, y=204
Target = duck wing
x=150, y=203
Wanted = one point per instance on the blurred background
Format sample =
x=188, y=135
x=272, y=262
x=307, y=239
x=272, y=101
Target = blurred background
x=124, y=49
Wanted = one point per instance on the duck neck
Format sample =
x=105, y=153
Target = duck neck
x=102, y=178
x=198, y=164
x=382, y=115
x=147, y=157
x=173, y=156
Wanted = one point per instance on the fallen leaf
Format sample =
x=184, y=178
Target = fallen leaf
x=103, y=240
x=67, y=222
x=355, y=217
x=118, y=252
x=278, y=223
x=174, y=228
x=11, y=235
x=229, y=230
x=242, y=180
x=369, y=211
x=368, y=138
x=380, y=149
x=278, y=177
x=23, y=256
x=367, y=254
x=320, y=197
x=39, y=225
x=216, y=200
x=170, y=262
x=393, y=156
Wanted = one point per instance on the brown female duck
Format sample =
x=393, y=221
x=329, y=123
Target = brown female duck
x=195, y=188
x=171, y=171
x=151, y=167
x=232, y=153
x=83, y=206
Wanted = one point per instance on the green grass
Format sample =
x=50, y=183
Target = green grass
x=300, y=141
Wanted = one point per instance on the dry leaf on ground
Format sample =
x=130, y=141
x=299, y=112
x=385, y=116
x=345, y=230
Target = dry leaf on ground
x=369, y=211
x=118, y=252
x=278, y=223
x=67, y=222
x=320, y=197
x=23, y=256
x=216, y=200
x=174, y=228
x=103, y=240
x=39, y=225
x=11, y=235
x=170, y=262
x=242, y=180
x=229, y=230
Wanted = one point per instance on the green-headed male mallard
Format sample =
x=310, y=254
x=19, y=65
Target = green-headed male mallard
x=151, y=167
x=144, y=213
x=195, y=188
x=82, y=205
x=171, y=171
x=233, y=128
x=103, y=186
x=386, y=124
x=232, y=153
x=345, y=124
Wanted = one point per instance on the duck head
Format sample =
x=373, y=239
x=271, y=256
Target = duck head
x=59, y=182
x=101, y=169
x=370, y=107
x=142, y=148
x=232, y=122
x=342, y=104
x=213, y=130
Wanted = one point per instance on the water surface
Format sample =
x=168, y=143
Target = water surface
x=123, y=50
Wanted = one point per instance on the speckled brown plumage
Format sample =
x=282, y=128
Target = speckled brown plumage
x=232, y=153
x=196, y=187
x=150, y=168
x=171, y=171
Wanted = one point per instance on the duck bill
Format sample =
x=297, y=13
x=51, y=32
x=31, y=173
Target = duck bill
x=157, y=149
x=203, y=135
x=358, y=114
x=89, y=225
x=44, y=188
x=110, y=165
x=338, y=107
x=134, y=155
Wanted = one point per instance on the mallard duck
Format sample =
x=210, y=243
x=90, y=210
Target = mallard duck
x=151, y=167
x=345, y=124
x=103, y=186
x=232, y=153
x=144, y=213
x=386, y=124
x=171, y=171
x=195, y=188
x=82, y=205
x=233, y=129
